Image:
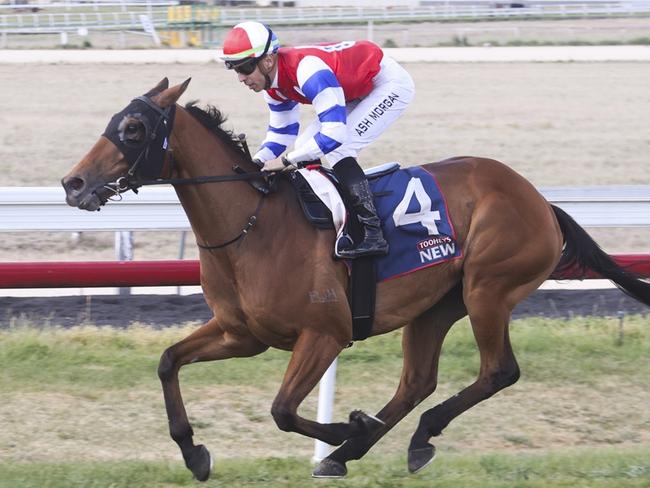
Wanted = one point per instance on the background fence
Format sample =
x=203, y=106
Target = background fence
x=44, y=209
x=201, y=24
x=37, y=18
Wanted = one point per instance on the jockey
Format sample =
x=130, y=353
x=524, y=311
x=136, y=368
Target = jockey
x=356, y=91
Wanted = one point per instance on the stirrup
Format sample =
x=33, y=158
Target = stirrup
x=378, y=249
x=342, y=244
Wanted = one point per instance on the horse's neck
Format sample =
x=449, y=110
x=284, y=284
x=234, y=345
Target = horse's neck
x=217, y=211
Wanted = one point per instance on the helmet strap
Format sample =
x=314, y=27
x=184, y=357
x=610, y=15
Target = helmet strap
x=267, y=83
x=267, y=71
x=268, y=42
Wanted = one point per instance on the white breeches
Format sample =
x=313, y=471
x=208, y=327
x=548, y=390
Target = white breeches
x=369, y=117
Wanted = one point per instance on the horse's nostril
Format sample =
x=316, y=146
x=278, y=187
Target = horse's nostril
x=73, y=183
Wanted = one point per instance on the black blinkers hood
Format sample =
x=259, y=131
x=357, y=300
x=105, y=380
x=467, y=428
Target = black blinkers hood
x=147, y=157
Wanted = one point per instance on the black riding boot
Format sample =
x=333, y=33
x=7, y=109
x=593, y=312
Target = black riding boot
x=358, y=199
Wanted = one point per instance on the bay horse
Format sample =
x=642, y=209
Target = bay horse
x=262, y=262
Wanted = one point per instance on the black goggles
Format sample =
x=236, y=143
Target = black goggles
x=244, y=67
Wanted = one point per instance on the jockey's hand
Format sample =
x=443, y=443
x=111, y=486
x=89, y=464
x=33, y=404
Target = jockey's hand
x=277, y=164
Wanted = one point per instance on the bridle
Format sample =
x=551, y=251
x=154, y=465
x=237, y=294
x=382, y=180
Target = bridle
x=143, y=171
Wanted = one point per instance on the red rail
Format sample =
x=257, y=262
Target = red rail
x=634, y=263
x=169, y=273
x=98, y=273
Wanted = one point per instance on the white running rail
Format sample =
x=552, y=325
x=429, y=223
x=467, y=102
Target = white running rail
x=44, y=209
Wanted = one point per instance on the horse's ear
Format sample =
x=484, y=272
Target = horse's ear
x=171, y=95
x=162, y=85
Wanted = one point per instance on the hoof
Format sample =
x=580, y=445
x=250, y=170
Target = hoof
x=328, y=468
x=199, y=462
x=418, y=459
x=368, y=423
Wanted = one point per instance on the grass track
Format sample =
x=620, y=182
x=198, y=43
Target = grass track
x=593, y=468
x=584, y=350
x=82, y=408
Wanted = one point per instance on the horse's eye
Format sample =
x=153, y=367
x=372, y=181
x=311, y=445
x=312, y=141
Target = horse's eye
x=132, y=131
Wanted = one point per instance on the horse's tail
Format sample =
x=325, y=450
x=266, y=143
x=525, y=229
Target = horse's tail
x=582, y=254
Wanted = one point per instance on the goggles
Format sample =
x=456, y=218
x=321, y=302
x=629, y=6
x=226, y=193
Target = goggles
x=243, y=67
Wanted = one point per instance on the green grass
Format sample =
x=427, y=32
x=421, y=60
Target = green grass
x=601, y=468
x=74, y=359
x=112, y=374
x=580, y=350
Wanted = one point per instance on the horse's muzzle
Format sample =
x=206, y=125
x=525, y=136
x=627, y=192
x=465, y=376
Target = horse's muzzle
x=79, y=195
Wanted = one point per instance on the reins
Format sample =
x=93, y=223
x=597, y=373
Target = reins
x=249, y=225
x=134, y=184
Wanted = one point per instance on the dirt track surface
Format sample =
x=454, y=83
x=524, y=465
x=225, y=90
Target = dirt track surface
x=558, y=124
x=168, y=310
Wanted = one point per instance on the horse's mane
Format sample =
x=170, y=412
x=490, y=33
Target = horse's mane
x=212, y=119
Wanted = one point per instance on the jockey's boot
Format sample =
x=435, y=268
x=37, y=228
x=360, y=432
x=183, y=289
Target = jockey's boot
x=358, y=199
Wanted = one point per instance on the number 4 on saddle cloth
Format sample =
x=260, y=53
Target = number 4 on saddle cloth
x=415, y=222
x=412, y=210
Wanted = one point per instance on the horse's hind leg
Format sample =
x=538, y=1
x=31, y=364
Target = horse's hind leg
x=507, y=259
x=208, y=343
x=421, y=343
x=489, y=317
x=489, y=302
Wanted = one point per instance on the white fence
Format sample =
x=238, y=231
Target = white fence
x=449, y=10
x=65, y=17
x=44, y=209
x=157, y=208
x=47, y=17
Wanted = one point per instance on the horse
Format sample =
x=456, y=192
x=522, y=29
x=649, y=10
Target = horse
x=262, y=262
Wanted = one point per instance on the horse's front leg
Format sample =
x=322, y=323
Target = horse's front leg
x=212, y=341
x=312, y=355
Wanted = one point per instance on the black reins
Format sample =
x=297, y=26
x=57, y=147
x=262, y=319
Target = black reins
x=213, y=179
x=249, y=225
x=134, y=184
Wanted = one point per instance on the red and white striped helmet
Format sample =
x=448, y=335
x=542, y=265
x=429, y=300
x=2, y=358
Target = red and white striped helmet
x=249, y=40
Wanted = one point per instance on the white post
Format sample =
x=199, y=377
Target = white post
x=181, y=254
x=148, y=27
x=124, y=245
x=124, y=252
x=325, y=407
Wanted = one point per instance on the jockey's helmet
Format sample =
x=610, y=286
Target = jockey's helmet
x=246, y=43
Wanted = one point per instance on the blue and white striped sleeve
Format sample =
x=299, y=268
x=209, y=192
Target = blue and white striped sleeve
x=320, y=85
x=282, y=130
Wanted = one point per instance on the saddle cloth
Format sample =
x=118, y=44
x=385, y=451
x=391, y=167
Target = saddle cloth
x=413, y=212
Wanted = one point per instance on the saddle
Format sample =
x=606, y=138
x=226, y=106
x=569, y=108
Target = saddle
x=315, y=210
x=363, y=281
